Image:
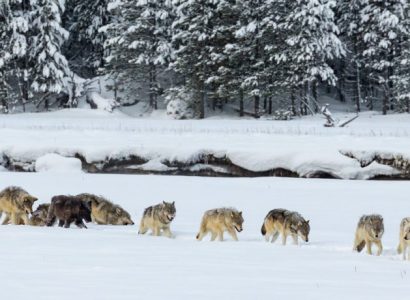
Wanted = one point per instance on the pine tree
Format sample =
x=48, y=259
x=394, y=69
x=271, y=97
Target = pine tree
x=381, y=26
x=310, y=42
x=50, y=66
x=85, y=47
x=200, y=37
x=21, y=35
x=138, y=44
x=5, y=54
x=351, y=71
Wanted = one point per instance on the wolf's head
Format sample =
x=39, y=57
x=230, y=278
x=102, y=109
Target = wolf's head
x=237, y=220
x=41, y=211
x=302, y=229
x=28, y=202
x=169, y=211
x=123, y=217
x=376, y=227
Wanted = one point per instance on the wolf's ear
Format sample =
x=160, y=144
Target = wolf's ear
x=240, y=213
x=163, y=202
x=173, y=203
x=33, y=199
x=308, y=221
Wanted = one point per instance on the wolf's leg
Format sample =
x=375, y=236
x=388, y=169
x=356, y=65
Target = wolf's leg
x=167, y=232
x=68, y=223
x=61, y=223
x=267, y=236
x=400, y=247
x=221, y=235
x=369, y=247
x=6, y=219
x=25, y=218
x=407, y=250
x=380, y=247
x=275, y=236
x=284, y=237
x=295, y=239
x=15, y=218
x=232, y=232
x=213, y=236
x=156, y=231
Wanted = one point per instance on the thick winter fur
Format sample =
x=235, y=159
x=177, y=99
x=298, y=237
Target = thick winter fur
x=158, y=219
x=404, y=239
x=217, y=221
x=17, y=204
x=68, y=209
x=104, y=212
x=39, y=216
x=285, y=222
x=369, y=231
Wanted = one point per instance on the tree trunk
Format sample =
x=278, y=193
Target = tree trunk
x=356, y=90
x=270, y=105
x=315, y=96
x=385, y=101
x=292, y=101
x=265, y=103
x=257, y=99
x=241, y=102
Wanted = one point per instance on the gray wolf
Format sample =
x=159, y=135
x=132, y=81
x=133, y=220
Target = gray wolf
x=369, y=231
x=217, y=221
x=104, y=212
x=285, y=222
x=68, y=209
x=39, y=216
x=404, y=239
x=158, y=218
x=17, y=204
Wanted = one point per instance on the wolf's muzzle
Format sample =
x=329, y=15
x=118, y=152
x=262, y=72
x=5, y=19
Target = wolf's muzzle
x=238, y=229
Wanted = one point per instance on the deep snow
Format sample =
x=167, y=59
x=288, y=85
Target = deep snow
x=109, y=262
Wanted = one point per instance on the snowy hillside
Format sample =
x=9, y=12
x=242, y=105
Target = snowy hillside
x=108, y=262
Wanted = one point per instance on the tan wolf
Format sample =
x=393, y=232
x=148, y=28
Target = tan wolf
x=369, y=231
x=17, y=204
x=158, y=218
x=404, y=242
x=285, y=222
x=216, y=221
x=104, y=212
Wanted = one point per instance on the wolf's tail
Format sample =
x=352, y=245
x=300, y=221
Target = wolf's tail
x=202, y=230
x=263, y=229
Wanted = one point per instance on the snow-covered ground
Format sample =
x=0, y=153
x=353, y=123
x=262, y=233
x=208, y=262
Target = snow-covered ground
x=109, y=262
x=301, y=145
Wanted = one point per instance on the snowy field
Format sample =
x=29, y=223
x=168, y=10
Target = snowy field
x=108, y=262
x=301, y=145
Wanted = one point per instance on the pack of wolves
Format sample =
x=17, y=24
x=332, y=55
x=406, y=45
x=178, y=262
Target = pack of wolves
x=17, y=205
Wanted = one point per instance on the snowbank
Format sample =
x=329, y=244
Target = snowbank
x=56, y=163
x=116, y=143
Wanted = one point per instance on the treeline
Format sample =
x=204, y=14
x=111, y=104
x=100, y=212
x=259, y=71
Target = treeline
x=208, y=53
